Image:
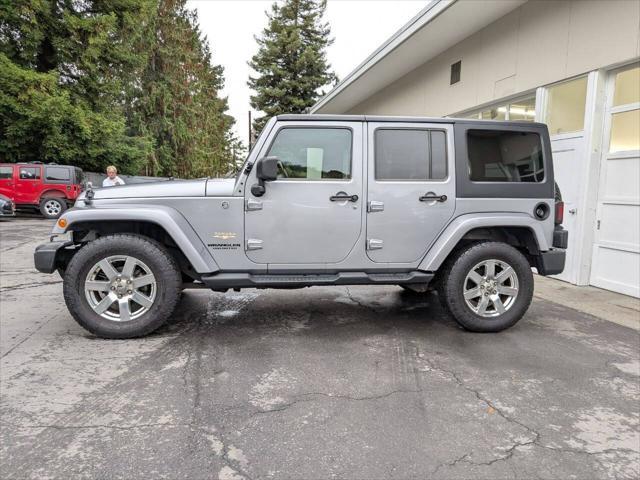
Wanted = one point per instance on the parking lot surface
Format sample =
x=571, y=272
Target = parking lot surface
x=358, y=382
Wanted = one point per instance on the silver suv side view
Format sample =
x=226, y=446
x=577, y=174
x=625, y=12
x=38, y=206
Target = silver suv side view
x=463, y=207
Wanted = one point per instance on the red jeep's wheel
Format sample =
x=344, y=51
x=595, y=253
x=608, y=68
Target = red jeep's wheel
x=52, y=207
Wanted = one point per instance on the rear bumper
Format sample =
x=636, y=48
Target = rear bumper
x=46, y=254
x=551, y=262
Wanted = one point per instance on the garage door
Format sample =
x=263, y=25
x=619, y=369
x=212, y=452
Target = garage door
x=616, y=252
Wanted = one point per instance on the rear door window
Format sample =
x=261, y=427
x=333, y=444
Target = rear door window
x=410, y=154
x=6, y=173
x=29, y=173
x=57, y=174
x=505, y=156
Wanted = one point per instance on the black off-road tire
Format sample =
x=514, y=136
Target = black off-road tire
x=45, y=207
x=154, y=255
x=451, y=285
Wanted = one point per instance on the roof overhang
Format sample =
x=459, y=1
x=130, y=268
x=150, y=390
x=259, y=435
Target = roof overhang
x=439, y=26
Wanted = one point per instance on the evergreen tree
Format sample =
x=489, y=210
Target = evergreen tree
x=96, y=82
x=64, y=66
x=177, y=102
x=291, y=62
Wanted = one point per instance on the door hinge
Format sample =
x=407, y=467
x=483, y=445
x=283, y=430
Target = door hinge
x=251, y=205
x=254, y=244
x=598, y=225
x=375, y=206
x=374, y=244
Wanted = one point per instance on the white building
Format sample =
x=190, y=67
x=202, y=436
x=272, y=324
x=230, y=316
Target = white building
x=571, y=64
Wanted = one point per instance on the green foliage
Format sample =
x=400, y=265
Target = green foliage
x=177, y=102
x=291, y=63
x=124, y=82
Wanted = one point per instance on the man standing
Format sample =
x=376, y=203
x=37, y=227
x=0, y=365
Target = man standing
x=112, y=177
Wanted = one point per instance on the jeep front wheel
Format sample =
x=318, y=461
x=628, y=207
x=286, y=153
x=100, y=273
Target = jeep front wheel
x=52, y=207
x=487, y=286
x=122, y=286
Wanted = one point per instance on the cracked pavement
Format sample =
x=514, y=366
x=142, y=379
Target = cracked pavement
x=358, y=382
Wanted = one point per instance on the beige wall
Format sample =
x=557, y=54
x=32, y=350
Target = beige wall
x=541, y=42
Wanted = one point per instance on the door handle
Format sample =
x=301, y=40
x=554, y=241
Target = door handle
x=432, y=196
x=342, y=196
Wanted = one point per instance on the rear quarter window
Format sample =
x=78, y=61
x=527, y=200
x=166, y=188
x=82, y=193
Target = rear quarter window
x=505, y=156
x=57, y=174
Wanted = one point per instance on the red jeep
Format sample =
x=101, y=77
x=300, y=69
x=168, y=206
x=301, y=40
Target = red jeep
x=51, y=188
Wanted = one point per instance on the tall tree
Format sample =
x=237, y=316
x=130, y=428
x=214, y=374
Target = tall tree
x=64, y=66
x=291, y=63
x=177, y=102
x=128, y=82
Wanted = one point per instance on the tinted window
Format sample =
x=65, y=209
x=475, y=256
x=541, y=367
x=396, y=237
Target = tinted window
x=313, y=153
x=59, y=174
x=6, y=172
x=505, y=156
x=403, y=154
x=29, y=173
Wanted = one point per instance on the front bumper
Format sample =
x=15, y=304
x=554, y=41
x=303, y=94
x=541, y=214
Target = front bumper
x=46, y=255
x=551, y=262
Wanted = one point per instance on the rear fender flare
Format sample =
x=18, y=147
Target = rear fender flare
x=181, y=231
x=463, y=224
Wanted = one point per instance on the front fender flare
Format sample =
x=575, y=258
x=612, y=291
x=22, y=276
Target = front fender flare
x=463, y=224
x=168, y=218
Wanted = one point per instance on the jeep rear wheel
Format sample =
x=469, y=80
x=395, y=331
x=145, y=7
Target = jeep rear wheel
x=52, y=207
x=122, y=286
x=487, y=286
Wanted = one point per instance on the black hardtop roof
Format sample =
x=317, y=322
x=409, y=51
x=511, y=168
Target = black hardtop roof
x=399, y=119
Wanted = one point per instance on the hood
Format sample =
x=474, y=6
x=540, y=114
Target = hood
x=164, y=188
x=220, y=187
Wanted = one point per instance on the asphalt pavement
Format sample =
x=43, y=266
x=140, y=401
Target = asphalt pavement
x=355, y=383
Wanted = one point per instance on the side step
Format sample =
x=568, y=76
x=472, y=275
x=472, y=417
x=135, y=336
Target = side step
x=248, y=280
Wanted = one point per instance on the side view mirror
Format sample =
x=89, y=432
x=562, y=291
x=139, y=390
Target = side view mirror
x=266, y=171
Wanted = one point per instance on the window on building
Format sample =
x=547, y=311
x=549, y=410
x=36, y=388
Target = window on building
x=625, y=131
x=456, y=70
x=29, y=173
x=58, y=174
x=523, y=110
x=505, y=156
x=565, y=106
x=627, y=87
x=625, y=116
x=410, y=154
x=6, y=173
x=494, y=113
x=313, y=153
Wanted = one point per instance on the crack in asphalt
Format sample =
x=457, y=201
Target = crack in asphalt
x=300, y=398
x=535, y=441
x=358, y=302
x=22, y=286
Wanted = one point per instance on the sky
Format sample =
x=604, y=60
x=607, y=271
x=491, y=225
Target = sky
x=358, y=27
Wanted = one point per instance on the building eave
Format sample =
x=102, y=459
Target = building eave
x=438, y=26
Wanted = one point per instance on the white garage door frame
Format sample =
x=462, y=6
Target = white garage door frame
x=582, y=148
x=611, y=254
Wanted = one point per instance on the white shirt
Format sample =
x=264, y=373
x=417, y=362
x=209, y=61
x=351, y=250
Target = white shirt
x=107, y=182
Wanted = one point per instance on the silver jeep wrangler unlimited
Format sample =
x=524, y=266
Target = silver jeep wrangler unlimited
x=464, y=207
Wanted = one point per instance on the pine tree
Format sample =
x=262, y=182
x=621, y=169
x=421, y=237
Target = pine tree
x=177, y=102
x=124, y=82
x=291, y=62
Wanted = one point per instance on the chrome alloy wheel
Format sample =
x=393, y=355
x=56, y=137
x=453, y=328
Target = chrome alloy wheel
x=490, y=288
x=120, y=288
x=52, y=207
